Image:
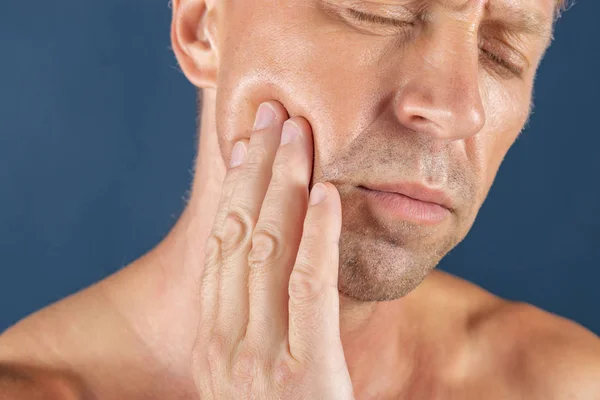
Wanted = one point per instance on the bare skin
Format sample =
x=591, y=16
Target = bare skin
x=135, y=334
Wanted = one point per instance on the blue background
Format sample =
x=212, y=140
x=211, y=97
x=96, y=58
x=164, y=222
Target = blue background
x=97, y=139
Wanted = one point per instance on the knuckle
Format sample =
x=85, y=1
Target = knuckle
x=235, y=230
x=283, y=159
x=315, y=229
x=244, y=365
x=212, y=249
x=247, y=371
x=303, y=285
x=318, y=234
x=289, y=377
x=287, y=164
x=231, y=177
x=265, y=247
x=256, y=156
x=279, y=175
x=286, y=377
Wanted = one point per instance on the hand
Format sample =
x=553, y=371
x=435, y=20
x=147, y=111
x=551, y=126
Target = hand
x=269, y=325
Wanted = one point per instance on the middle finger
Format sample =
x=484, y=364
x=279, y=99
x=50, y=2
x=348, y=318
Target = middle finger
x=243, y=212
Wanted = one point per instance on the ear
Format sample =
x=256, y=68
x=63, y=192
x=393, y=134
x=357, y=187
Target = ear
x=193, y=38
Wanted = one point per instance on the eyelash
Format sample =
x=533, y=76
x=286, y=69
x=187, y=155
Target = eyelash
x=377, y=19
x=490, y=56
x=501, y=62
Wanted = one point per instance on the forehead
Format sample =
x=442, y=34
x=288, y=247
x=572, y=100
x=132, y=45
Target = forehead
x=547, y=7
x=534, y=17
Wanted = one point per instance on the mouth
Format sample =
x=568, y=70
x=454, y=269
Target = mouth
x=411, y=202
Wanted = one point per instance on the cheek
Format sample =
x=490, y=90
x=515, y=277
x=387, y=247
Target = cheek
x=338, y=81
x=310, y=70
x=506, y=113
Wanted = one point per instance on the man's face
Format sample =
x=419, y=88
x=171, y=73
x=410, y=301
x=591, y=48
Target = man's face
x=429, y=92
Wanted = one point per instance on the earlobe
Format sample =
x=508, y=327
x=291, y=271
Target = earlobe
x=193, y=41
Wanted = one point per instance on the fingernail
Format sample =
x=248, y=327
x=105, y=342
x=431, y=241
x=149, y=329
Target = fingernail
x=318, y=194
x=237, y=155
x=265, y=116
x=289, y=132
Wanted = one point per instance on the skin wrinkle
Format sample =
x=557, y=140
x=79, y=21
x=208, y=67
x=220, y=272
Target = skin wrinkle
x=381, y=118
x=532, y=22
x=445, y=52
x=381, y=267
x=352, y=102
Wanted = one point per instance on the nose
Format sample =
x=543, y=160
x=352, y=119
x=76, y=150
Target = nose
x=442, y=97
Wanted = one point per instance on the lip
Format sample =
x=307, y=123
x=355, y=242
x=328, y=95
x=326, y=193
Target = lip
x=415, y=191
x=409, y=201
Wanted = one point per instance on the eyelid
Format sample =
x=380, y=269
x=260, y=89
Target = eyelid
x=504, y=41
x=495, y=55
x=379, y=19
x=507, y=53
x=508, y=70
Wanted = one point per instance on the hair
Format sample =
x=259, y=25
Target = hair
x=562, y=5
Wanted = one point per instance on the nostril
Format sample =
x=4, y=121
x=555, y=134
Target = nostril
x=426, y=121
x=419, y=119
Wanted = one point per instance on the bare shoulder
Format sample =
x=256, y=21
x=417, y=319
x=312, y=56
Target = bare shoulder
x=546, y=356
x=539, y=354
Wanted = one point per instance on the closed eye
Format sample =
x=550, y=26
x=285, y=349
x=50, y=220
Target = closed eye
x=377, y=19
x=503, y=66
x=501, y=62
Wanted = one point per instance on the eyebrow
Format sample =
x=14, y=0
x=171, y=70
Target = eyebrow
x=513, y=18
x=519, y=19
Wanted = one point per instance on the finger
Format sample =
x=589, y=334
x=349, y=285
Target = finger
x=212, y=250
x=277, y=236
x=313, y=288
x=207, y=345
x=238, y=154
x=244, y=209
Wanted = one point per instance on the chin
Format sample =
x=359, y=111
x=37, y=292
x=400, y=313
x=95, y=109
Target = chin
x=375, y=269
